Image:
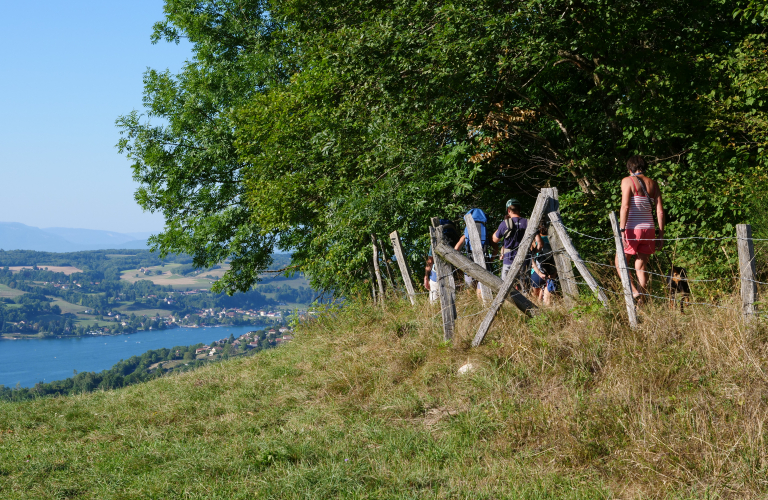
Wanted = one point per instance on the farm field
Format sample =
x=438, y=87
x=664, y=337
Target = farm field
x=7, y=292
x=68, y=270
x=66, y=307
x=178, y=282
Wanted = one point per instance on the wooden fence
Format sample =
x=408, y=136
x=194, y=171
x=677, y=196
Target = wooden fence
x=494, y=291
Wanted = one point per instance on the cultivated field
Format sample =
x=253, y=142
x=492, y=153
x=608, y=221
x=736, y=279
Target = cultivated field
x=7, y=292
x=56, y=269
x=178, y=282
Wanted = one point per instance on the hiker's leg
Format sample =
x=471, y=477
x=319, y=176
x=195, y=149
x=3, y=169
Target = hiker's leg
x=641, y=263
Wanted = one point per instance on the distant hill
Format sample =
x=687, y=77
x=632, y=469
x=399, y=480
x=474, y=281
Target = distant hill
x=17, y=236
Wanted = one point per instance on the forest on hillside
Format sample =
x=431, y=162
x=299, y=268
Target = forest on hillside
x=311, y=126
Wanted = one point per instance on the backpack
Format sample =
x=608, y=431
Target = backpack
x=511, y=230
x=450, y=233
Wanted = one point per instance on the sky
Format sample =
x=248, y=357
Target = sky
x=69, y=70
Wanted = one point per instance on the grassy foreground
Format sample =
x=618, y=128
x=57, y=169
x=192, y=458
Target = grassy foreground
x=367, y=403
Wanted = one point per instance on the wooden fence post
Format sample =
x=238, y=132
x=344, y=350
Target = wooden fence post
x=376, y=268
x=560, y=230
x=517, y=263
x=476, y=244
x=451, y=284
x=394, y=237
x=447, y=304
x=746, y=269
x=626, y=280
x=561, y=256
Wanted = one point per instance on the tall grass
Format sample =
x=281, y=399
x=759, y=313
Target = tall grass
x=367, y=403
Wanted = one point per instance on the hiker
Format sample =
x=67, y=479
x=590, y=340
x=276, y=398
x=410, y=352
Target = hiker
x=511, y=232
x=480, y=220
x=451, y=236
x=430, y=279
x=639, y=195
x=543, y=269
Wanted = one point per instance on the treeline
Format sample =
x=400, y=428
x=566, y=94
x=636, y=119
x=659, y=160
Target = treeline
x=138, y=369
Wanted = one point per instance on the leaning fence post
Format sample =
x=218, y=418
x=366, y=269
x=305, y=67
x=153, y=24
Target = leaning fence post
x=476, y=244
x=376, y=268
x=562, y=259
x=394, y=237
x=624, y=272
x=746, y=269
x=517, y=263
x=559, y=229
x=447, y=305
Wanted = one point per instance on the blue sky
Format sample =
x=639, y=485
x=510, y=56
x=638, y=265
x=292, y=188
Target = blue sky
x=69, y=69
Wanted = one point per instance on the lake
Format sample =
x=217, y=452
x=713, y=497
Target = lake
x=29, y=361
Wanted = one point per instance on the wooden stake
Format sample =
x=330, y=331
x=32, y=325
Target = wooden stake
x=447, y=304
x=377, y=270
x=626, y=281
x=451, y=284
x=562, y=259
x=403, y=265
x=522, y=251
x=476, y=244
x=559, y=229
x=746, y=269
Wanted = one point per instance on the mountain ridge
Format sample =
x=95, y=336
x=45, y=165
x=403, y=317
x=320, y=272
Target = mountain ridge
x=18, y=236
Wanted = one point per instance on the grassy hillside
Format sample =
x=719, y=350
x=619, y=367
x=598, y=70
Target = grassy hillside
x=367, y=403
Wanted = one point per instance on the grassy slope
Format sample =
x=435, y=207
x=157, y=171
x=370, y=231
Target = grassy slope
x=368, y=404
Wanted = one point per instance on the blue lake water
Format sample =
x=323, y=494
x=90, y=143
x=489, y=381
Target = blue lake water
x=29, y=361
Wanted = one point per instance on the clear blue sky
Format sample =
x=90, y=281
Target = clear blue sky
x=69, y=69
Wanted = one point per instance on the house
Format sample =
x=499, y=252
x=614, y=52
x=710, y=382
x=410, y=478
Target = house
x=253, y=345
x=284, y=329
x=202, y=349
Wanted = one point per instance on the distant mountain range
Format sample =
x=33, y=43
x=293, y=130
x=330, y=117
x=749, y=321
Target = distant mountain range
x=16, y=236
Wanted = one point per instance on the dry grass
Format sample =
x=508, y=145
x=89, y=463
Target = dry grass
x=367, y=403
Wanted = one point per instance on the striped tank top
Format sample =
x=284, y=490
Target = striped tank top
x=640, y=209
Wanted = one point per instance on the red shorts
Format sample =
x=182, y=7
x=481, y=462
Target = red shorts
x=640, y=241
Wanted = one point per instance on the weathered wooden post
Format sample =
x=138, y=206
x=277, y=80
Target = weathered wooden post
x=626, y=281
x=435, y=221
x=447, y=304
x=376, y=268
x=562, y=259
x=476, y=244
x=517, y=263
x=559, y=229
x=747, y=270
x=394, y=237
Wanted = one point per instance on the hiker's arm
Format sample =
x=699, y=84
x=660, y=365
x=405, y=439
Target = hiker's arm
x=626, y=193
x=460, y=243
x=659, y=217
x=495, y=238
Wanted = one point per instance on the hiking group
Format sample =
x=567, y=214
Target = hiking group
x=540, y=274
x=640, y=195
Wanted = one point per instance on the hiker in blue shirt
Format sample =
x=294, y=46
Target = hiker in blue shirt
x=511, y=232
x=480, y=220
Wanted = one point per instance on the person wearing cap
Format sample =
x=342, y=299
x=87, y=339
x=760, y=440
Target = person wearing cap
x=511, y=232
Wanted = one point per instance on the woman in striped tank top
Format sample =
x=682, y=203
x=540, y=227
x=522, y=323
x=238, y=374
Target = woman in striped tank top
x=639, y=195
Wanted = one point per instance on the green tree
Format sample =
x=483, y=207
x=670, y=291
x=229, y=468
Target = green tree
x=315, y=124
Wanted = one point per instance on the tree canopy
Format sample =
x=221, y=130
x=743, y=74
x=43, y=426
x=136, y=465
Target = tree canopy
x=309, y=125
